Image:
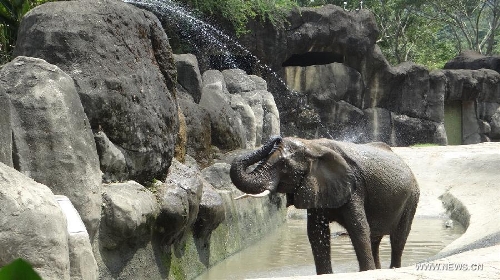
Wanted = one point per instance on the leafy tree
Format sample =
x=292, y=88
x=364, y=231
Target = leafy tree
x=405, y=34
x=473, y=24
x=238, y=12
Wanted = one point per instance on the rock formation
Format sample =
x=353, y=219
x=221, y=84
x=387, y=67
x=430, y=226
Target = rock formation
x=96, y=102
x=345, y=89
x=122, y=66
x=51, y=137
x=234, y=110
x=129, y=212
x=473, y=61
x=93, y=97
x=32, y=225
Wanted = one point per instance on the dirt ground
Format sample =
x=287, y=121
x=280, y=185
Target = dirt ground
x=441, y=168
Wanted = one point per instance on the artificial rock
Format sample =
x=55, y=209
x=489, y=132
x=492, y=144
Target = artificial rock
x=242, y=117
x=198, y=128
x=327, y=55
x=121, y=63
x=188, y=74
x=112, y=161
x=52, y=139
x=32, y=226
x=227, y=132
x=179, y=199
x=472, y=60
x=129, y=210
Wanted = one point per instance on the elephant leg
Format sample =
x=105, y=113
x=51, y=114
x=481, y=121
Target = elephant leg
x=375, y=250
x=318, y=231
x=357, y=226
x=399, y=237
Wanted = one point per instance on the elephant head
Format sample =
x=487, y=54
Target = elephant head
x=312, y=174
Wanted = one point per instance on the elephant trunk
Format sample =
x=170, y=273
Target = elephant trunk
x=262, y=178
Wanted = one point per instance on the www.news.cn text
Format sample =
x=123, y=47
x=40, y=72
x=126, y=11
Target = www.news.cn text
x=429, y=266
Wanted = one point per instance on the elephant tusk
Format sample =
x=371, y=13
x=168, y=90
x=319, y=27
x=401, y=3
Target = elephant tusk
x=262, y=194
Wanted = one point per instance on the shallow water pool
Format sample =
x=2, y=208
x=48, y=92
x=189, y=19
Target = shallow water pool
x=286, y=252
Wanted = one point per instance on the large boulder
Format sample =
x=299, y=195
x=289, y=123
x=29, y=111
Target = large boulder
x=188, y=74
x=52, y=139
x=472, y=60
x=406, y=89
x=226, y=125
x=32, y=226
x=469, y=85
x=198, y=129
x=179, y=199
x=121, y=62
x=329, y=34
x=410, y=131
x=112, y=161
x=129, y=212
x=5, y=138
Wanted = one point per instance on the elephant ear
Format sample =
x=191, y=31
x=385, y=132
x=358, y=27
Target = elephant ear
x=329, y=182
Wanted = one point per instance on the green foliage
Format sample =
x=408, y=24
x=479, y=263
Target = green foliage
x=238, y=12
x=435, y=52
x=11, y=13
x=18, y=269
x=472, y=24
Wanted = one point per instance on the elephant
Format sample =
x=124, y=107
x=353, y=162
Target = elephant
x=366, y=188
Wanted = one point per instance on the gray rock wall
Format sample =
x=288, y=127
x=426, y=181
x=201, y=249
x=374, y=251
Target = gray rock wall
x=5, y=123
x=121, y=63
x=174, y=221
x=52, y=140
x=32, y=226
x=178, y=228
x=105, y=110
x=340, y=77
x=235, y=109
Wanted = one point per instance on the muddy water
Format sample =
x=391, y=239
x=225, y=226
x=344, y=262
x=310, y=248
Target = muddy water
x=286, y=252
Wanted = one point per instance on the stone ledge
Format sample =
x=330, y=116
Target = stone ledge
x=247, y=221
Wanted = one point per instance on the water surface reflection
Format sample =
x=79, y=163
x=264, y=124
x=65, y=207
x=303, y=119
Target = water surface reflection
x=286, y=252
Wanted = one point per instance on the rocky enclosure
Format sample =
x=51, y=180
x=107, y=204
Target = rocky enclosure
x=97, y=108
x=342, y=87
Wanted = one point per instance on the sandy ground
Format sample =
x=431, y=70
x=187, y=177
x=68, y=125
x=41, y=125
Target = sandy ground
x=466, y=181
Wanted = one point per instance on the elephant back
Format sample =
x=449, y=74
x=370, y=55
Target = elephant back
x=379, y=167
